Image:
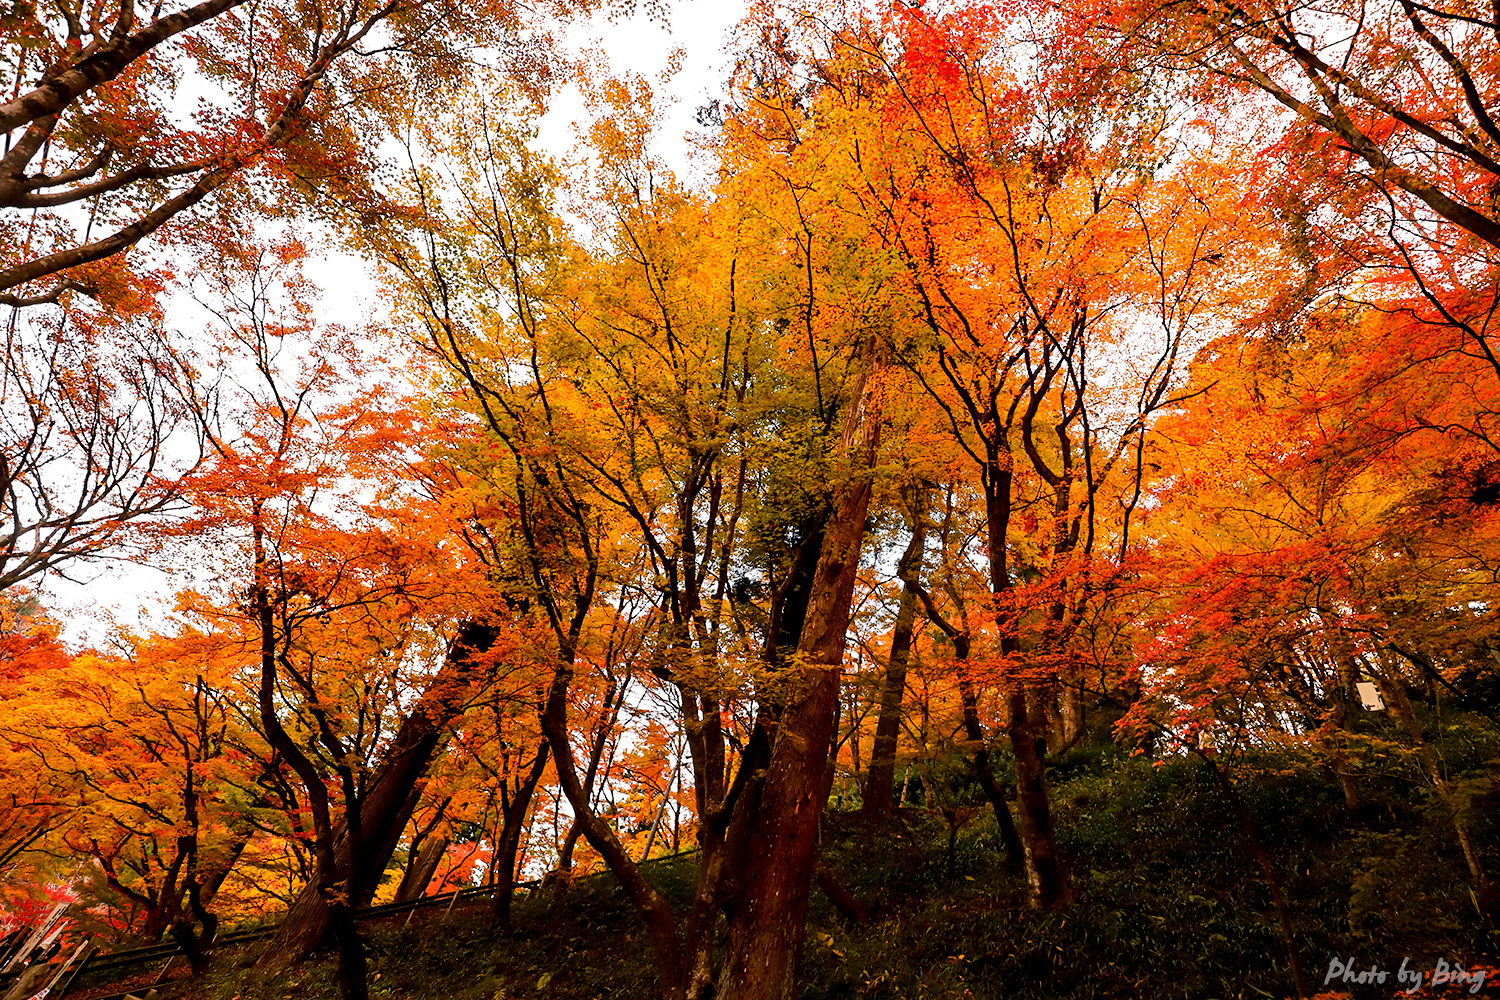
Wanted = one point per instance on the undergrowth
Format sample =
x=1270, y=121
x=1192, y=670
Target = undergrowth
x=1168, y=901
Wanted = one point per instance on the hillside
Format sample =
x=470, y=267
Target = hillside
x=1170, y=903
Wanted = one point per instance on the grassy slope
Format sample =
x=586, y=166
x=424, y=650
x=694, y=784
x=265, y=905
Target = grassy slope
x=1170, y=902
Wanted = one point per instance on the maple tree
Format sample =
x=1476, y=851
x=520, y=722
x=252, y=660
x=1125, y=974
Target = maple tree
x=291, y=96
x=341, y=599
x=94, y=430
x=1409, y=90
x=34, y=802
x=877, y=797
x=160, y=774
x=1386, y=152
x=1078, y=252
x=627, y=404
x=1054, y=385
x=1304, y=581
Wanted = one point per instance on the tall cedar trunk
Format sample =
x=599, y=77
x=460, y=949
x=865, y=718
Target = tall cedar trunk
x=389, y=799
x=510, y=836
x=767, y=930
x=421, y=869
x=881, y=783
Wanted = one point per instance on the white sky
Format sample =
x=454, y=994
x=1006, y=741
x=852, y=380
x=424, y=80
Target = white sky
x=134, y=595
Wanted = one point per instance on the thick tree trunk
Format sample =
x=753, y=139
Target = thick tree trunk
x=1072, y=712
x=1044, y=874
x=352, y=972
x=390, y=797
x=419, y=873
x=767, y=931
x=565, y=856
x=881, y=784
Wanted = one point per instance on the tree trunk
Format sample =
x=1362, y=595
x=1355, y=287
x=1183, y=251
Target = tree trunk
x=881, y=783
x=1027, y=728
x=388, y=801
x=565, y=856
x=654, y=908
x=1398, y=702
x=419, y=873
x=767, y=931
x=1343, y=696
x=1015, y=854
x=843, y=900
x=1044, y=875
x=510, y=837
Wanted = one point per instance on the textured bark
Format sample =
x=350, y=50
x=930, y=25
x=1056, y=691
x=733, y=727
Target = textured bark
x=59, y=90
x=419, y=873
x=43, y=103
x=1044, y=873
x=767, y=931
x=388, y=800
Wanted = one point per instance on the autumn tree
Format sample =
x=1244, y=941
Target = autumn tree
x=1384, y=160
x=632, y=400
x=334, y=586
x=1032, y=243
x=94, y=429
x=35, y=801
x=1363, y=558
x=163, y=776
x=97, y=159
x=879, y=788
x=1422, y=136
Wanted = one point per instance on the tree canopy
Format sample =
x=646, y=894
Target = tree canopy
x=1030, y=390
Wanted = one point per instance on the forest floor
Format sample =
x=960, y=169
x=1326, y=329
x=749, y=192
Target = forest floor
x=1169, y=902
